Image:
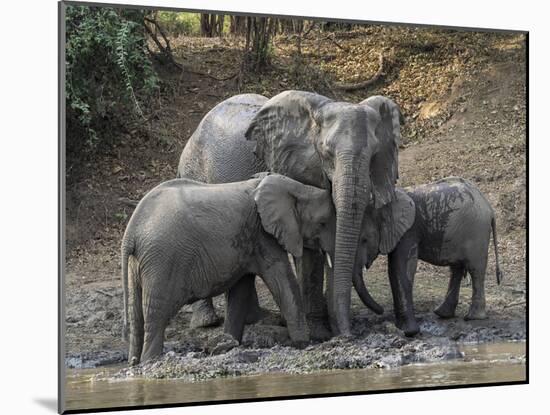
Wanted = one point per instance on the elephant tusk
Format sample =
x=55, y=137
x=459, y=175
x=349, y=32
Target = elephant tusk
x=329, y=262
x=293, y=264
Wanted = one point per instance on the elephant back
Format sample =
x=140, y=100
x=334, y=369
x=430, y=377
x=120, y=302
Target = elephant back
x=218, y=152
x=450, y=209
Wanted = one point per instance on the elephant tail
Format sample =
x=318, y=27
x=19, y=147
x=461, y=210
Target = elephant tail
x=364, y=294
x=126, y=250
x=500, y=276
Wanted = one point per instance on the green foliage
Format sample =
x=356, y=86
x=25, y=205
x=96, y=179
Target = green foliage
x=109, y=75
x=177, y=24
x=121, y=216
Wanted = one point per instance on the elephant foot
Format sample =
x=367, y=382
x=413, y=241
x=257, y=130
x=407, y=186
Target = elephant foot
x=256, y=314
x=445, y=311
x=204, y=317
x=319, y=329
x=299, y=338
x=409, y=327
x=476, y=313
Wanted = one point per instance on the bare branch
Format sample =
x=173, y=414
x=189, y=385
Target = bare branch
x=514, y=304
x=104, y=292
x=128, y=202
x=158, y=26
x=227, y=78
x=165, y=50
x=331, y=38
x=313, y=24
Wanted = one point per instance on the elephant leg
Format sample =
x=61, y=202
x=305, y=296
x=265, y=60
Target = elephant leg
x=204, y=314
x=255, y=312
x=477, y=307
x=156, y=320
x=310, y=272
x=448, y=307
x=279, y=278
x=237, y=306
x=135, y=317
x=402, y=263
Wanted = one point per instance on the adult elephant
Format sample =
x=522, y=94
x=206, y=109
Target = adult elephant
x=218, y=152
x=348, y=148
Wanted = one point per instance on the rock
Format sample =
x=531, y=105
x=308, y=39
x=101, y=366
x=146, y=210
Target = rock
x=248, y=356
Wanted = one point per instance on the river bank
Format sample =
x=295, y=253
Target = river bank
x=479, y=365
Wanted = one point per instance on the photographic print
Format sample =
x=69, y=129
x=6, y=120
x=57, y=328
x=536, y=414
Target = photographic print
x=259, y=206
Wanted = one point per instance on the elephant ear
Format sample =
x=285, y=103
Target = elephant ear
x=376, y=101
x=277, y=208
x=384, y=163
x=283, y=129
x=396, y=219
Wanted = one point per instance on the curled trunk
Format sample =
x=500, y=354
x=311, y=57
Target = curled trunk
x=364, y=294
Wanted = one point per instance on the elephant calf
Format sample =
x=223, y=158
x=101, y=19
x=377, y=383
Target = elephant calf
x=451, y=226
x=188, y=241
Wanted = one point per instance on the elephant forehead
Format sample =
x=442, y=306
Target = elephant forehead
x=347, y=128
x=343, y=113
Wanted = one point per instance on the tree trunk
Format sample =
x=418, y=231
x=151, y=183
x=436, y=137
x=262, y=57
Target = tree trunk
x=206, y=29
x=237, y=25
x=212, y=24
x=258, y=42
x=219, y=25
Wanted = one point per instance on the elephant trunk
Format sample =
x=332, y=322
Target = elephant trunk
x=364, y=294
x=350, y=191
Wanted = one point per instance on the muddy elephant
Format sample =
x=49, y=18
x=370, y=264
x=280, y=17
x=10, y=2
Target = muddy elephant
x=188, y=240
x=451, y=226
x=349, y=149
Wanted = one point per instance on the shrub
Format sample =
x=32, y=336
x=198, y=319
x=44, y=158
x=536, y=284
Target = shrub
x=109, y=74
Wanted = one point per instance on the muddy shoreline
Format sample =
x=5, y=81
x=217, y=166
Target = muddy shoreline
x=198, y=354
x=377, y=350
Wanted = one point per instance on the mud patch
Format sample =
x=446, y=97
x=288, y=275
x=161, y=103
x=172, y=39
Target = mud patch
x=384, y=347
x=375, y=351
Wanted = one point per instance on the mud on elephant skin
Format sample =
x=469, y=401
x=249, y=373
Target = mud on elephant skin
x=349, y=149
x=452, y=225
x=188, y=240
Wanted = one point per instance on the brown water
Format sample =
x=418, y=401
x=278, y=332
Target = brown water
x=485, y=363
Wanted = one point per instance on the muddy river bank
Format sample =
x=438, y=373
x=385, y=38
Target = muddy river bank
x=94, y=327
x=194, y=368
x=472, y=364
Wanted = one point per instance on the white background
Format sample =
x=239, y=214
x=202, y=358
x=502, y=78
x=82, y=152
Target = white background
x=28, y=204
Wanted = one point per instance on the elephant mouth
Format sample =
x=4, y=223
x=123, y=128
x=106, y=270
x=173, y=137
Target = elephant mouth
x=369, y=263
